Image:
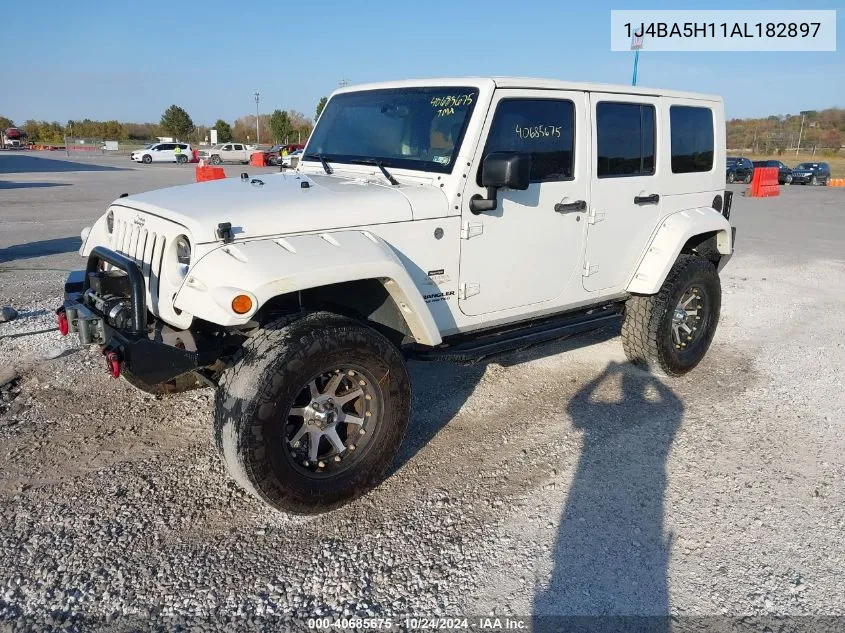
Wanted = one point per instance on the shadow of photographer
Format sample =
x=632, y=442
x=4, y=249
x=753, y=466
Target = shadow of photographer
x=611, y=554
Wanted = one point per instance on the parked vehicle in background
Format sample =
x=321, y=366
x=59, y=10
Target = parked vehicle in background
x=271, y=154
x=447, y=219
x=784, y=172
x=811, y=174
x=738, y=169
x=291, y=159
x=227, y=153
x=163, y=153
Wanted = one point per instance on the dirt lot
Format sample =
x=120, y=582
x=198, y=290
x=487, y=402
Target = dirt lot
x=554, y=481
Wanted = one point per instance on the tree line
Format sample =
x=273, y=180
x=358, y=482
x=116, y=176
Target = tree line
x=280, y=126
x=821, y=130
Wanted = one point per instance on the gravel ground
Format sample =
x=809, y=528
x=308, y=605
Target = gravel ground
x=554, y=481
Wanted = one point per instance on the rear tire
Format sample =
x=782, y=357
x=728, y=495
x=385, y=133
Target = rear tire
x=650, y=337
x=181, y=159
x=264, y=416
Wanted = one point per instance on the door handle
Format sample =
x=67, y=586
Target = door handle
x=578, y=205
x=652, y=199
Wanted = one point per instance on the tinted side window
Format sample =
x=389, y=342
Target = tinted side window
x=544, y=128
x=625, y=139
x=239, y=147
x=165, y=146
x=692, y=139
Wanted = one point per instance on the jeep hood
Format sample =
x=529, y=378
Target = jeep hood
x=283, y=204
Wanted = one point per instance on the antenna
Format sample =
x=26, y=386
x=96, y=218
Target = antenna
x=343, y=83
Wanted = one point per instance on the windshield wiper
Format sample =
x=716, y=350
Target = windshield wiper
x=377, y=163
x=323, y=161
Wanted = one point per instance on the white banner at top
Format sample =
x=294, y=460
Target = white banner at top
x=716, y=30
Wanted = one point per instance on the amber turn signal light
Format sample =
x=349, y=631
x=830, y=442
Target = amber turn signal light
x=241, y=304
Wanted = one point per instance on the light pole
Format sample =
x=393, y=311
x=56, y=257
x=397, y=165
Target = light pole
x=257, y=133
x=797, y=149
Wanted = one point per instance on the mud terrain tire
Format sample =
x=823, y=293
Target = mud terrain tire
x=257, y=396
x=647, y=331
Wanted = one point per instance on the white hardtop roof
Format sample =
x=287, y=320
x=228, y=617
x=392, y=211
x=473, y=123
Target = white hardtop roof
x=532, y=83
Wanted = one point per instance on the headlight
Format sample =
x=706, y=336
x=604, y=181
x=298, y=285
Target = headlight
x=183, y=255
x=110, y=221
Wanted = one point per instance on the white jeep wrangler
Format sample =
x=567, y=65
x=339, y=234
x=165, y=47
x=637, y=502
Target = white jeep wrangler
x=437, y=219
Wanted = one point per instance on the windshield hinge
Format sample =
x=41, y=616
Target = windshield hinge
x=471, y=229
x=468, y=290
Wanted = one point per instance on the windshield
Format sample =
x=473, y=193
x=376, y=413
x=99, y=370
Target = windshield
x=732, y=161
x=412, y=128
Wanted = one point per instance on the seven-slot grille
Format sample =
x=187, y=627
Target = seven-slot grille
x=145, y=247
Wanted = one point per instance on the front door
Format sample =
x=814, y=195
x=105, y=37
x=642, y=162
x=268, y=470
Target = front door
x=624, y=187
x=526, y=251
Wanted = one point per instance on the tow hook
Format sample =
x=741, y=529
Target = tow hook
x=113, y=362
x=61, y=317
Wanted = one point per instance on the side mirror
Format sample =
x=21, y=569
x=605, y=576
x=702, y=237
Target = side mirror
x=501, y=169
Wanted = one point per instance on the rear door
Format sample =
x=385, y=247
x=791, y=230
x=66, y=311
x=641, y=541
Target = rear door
x=624, y=187
x=238, y=152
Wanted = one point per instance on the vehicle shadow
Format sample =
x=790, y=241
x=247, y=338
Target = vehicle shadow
x=612, y=554
x=31, y=185
x=40, y=249
x=440, y=389
x=21, y=163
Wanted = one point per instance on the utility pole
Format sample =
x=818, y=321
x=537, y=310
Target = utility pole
x=799, y=135
x=257, y=133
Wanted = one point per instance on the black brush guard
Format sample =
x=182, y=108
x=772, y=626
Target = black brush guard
x=151, y=350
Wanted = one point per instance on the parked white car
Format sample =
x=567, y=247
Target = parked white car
x=439, y=219
x=227, y=153
x=163, y=153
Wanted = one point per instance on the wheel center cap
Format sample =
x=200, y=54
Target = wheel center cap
x=320, y=414
x=680, y=314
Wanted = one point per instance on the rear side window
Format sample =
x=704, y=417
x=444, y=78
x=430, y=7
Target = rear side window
x=692, y=139
x=625, y=139
x=543, y=128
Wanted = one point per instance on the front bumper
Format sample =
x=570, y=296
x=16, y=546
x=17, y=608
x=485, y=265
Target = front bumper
x=802, y=179
x=151, y=350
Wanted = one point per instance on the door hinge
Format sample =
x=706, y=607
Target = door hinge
x=590, y=269
x=468, y=289
x=595, y=216
x=471, y=229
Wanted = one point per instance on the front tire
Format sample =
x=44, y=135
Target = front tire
x=731, y=177
x=215, y=160
x=670, y=332
x=814, y=181
x=147, y=159
x=313, y=413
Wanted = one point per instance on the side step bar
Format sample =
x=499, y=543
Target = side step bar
x=470, y=347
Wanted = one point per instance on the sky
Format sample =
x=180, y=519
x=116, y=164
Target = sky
x=106, y=59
